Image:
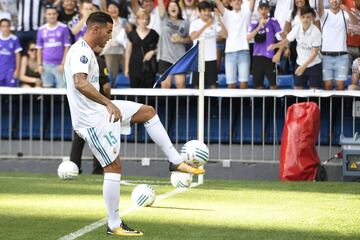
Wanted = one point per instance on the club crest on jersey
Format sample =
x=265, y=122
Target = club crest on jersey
x=84, y=59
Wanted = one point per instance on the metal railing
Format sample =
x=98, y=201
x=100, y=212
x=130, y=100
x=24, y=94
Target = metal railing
x=240, y=125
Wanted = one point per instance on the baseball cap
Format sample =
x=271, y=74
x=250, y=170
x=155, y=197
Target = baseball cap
x=264, y=3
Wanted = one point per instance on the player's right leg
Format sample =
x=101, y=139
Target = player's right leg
x=147, y=115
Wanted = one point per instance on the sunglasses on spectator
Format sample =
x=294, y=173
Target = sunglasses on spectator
x=32, y=49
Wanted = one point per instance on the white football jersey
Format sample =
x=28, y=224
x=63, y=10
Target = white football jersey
x=85, y=113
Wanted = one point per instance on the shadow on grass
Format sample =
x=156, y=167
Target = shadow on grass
x=313, y=187
x=177, y=208
x=53, y=228
x=189, y=231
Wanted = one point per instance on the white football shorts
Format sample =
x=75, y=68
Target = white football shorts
x=104, y=139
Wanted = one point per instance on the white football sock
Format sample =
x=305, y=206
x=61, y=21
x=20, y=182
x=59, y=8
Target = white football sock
x=159, y=135
x=111, y=193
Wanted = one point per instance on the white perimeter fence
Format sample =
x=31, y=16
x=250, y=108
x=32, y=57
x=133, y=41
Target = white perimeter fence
x=239, y=125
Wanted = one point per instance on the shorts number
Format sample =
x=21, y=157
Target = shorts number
x=110, y=138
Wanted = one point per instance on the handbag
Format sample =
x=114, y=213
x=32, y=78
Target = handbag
x=260, y=36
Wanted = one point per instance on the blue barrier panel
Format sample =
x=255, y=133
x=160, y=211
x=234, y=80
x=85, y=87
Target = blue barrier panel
x=219, y=120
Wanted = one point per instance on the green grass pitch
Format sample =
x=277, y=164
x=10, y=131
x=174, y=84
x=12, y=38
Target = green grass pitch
x=38, y=206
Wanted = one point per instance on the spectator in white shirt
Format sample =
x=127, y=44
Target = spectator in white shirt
x=334, y=24
x=294, y=19
x=206, y=28
x=308, y=63
x=237, y=54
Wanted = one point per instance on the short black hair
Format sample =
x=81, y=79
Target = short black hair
x=205, y=5
x=99, y=17
x=50, y=6
x=307, y=9
x=113, y=3
x=5, y=20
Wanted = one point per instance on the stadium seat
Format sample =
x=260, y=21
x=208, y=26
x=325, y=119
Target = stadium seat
x=221, y=81
x=285, y=81
x=122, y=81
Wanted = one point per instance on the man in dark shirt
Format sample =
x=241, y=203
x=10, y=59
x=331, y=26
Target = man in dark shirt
x=78, y=143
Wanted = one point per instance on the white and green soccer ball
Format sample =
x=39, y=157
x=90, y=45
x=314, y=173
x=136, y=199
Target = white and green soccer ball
x=180, y=179
x=196, y=153
x=143, y=195
x=67, y=170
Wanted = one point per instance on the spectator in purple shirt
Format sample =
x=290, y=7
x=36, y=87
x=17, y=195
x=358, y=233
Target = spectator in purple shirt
x=264, y=31
x=9, y=55
x=53, y=42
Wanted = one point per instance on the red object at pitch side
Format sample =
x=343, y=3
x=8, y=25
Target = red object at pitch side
x=298, y=157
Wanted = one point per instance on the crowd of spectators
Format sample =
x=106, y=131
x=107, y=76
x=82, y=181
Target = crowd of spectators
x=318, y=41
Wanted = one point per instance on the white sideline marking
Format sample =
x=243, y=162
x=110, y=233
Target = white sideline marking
x=91, y=227
x=124, y=182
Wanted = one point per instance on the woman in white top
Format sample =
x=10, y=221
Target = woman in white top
x=114, y=49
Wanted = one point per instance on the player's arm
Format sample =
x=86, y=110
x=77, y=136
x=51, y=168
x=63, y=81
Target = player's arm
x=88, y=90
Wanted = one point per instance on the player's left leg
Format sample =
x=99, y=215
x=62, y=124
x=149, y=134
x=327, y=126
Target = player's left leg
x=111, y=193
x=147, y=115
x=104, y=143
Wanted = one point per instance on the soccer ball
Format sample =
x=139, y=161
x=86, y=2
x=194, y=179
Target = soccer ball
x=195, y=153
x=181, y=180
x=143, y=195
x=67, y=170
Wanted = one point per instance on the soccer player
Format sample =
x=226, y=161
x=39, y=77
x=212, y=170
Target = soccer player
x=100, y=121
x=9, y=55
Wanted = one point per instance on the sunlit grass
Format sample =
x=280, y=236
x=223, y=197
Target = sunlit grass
x=48, y=208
